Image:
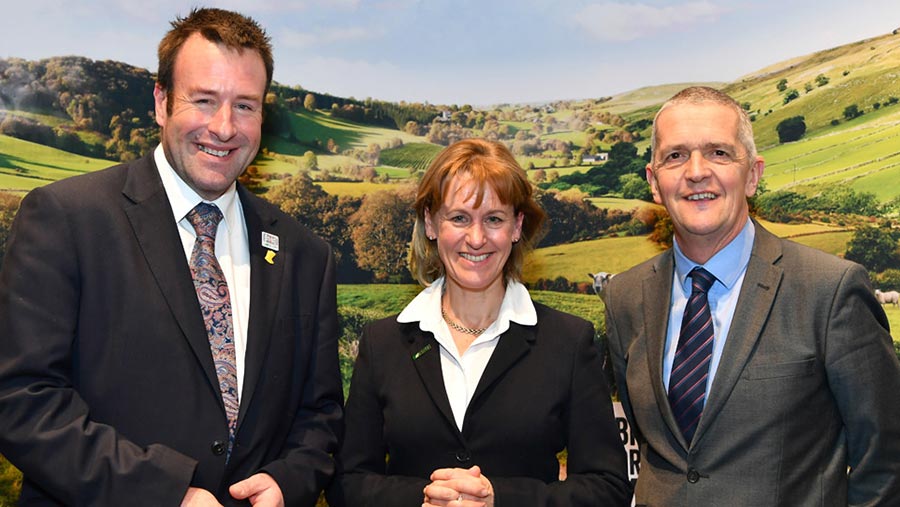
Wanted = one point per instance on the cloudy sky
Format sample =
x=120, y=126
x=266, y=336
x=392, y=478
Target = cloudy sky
x=477, y=52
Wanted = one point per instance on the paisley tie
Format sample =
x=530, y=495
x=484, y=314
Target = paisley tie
x=215, y=304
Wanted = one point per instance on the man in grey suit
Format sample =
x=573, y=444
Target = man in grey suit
x=167, y=337
x=768, y=378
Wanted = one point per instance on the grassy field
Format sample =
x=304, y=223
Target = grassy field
x=355, y=188
x=311, y=126
x=577, y=138
x=390, y=299
x=545, y=162
x=860, y=73
x=393, y=172
x=412, y=155
x=893, y=315
x=617, y=203
x=824, y=237
x=645, y=97
x=575, y=260
x=25, y=165
x=866, y=157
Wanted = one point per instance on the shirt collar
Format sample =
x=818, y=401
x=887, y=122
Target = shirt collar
x=425, y=308
x=183, y=198
x=727, y=265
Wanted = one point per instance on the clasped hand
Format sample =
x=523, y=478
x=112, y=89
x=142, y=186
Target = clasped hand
x=260, y=489
x=459, y=487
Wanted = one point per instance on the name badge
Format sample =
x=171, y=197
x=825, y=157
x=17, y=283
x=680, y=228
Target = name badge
x=270, y=241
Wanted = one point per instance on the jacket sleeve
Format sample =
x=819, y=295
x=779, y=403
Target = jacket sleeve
x=307, y=465
x=864, y=376
x=596, y=469
x=363, y=481
x=45, y=425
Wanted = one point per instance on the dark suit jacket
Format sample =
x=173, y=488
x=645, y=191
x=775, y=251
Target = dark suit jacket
x=543, y=390
x=808, y=385
x=107, y=389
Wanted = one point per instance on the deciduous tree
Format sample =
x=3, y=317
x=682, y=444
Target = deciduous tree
x=852, y=111
x=310, y=161
x=381, y=231
x=9, y=205
x=325, y=214
x=873, y=247
x=309, y=102
x=791, y=129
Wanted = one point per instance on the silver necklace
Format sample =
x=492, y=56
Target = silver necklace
x=474, y=331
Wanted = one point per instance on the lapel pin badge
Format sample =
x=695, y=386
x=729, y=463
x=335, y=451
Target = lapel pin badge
x=419, y=354
x=270, y=241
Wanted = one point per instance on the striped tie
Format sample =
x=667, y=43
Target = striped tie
x=690, y=369
x=215, y=304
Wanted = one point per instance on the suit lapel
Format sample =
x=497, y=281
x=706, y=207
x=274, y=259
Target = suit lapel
x=656, y=297
x=754, y=304
x=265, y=285
x=150, y=215
x=424, y=352
x=512, y=346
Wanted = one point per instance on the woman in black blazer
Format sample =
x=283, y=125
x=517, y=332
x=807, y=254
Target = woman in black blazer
x=467, y=396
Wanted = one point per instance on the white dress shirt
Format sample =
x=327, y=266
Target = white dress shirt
x=462, y=372
x=232, y=247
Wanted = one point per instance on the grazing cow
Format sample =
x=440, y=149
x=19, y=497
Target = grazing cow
x=600, y=279
x=891, y=297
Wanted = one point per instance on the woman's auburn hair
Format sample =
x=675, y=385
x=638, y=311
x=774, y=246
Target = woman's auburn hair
x=486, y=163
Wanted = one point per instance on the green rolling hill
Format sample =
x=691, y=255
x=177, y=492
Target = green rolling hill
x=25, y=165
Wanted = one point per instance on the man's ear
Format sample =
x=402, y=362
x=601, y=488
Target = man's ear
x=160, y=101
x=755, y=175
x=651, y=180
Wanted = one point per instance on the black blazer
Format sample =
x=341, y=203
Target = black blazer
x=543, y=390
x=107, y=389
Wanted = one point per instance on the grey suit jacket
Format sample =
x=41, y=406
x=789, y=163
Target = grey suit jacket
x=108, y=394
x=808, y=385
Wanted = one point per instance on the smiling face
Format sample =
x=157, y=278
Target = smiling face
x=211, y=129
x=473, y=243
x=703, y=175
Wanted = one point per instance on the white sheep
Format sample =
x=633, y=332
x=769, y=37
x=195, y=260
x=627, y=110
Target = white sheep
x=890, y=297
x=601, y=280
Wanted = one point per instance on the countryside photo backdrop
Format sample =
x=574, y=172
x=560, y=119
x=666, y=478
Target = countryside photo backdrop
x=827, y=122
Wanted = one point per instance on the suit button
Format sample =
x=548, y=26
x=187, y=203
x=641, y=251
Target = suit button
x=463, y=456
x=218, y=447
x=693, y=476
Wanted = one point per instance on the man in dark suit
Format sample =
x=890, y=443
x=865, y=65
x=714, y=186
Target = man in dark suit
x=151, y=357
x=768, y=376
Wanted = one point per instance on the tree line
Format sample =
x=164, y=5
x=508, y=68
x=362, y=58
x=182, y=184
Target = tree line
x=115, y=100
x=370, y=235
x=623, y=174
x=110, y=98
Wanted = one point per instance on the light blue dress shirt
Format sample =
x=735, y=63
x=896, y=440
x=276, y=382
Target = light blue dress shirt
x=728, y=266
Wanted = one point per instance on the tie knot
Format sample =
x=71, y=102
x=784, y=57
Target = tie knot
x=702, y=280
x=205, y=218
